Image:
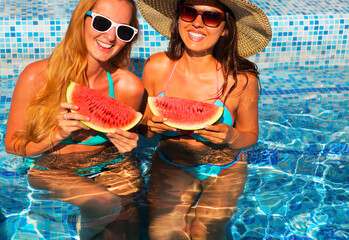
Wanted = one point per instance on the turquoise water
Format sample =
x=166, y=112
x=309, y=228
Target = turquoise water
x=297, y=186
x=298, y=183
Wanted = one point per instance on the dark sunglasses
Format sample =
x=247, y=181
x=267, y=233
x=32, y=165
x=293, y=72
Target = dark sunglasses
x=189, y=13
x=103, y=24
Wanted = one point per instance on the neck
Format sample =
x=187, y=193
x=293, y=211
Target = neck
x=198, y=65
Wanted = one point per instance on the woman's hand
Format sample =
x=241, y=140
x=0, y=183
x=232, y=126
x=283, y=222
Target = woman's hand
x=155, y=124
x=219, y=133
x=124, y=141
x=68, y=121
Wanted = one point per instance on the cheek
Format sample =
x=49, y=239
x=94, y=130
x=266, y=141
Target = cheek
x=90, y=33
x=119, y=46
x=219, y=32
x=87, y=25
x=87, y=32
x=182, y=24
x=181, y=27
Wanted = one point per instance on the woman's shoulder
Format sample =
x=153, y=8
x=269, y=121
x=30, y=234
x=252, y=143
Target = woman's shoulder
x=159, y=56
x=157, y=67
x=158, y=61
x=127, y=80
x=37, y=66
x=34, y=72
x=248, y=76
x=122, y=73
x=248, y=82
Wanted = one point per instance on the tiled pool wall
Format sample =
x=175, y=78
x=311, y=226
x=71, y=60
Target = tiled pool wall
x=305, y=64
x=307, y=57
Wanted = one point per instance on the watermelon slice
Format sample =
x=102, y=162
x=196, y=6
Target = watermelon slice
x=183, y=113
x=106, y=114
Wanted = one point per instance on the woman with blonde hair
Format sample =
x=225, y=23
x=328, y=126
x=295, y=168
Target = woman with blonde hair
x=74, y=163
x=198, y=176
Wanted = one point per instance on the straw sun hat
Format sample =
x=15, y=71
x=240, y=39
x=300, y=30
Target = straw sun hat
x=254, y=31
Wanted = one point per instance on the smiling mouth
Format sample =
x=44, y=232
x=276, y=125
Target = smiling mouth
x=105, y=45
x=196, y=35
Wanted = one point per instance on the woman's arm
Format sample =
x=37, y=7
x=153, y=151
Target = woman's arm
x=154, y=74
x=148, y=81
x=245, y=131
x=129, y=89
x=30, y=83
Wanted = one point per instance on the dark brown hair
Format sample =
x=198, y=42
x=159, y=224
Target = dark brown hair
x=225, y=51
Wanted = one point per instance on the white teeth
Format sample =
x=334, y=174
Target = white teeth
x=104, y=44
x=196, y=35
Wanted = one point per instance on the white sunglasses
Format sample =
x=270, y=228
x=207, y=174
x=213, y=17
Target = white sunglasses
x=103, y=24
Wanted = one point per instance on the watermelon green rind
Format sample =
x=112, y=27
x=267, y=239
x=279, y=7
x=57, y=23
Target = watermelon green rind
x=181, y=112
x=137, y=116
x=69, y=92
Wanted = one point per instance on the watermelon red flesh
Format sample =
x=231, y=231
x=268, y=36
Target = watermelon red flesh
x=183, y=113
x=106, y=114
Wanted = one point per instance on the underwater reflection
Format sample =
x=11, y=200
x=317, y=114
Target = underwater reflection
x=103, y=186
x=182, y=207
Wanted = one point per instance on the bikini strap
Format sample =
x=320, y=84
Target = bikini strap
x=168, y=81
x=111, y=86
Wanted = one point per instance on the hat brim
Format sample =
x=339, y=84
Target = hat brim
x=254, y=30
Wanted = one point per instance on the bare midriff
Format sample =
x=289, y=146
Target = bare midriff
x=190, y=152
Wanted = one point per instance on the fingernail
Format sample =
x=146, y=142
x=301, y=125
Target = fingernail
x=87, y=119
x=76, y=107
x=164, y=119
x=117, y=131
x=196, y=131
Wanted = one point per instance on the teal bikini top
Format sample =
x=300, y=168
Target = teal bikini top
x=226, y=118
x=99, y=138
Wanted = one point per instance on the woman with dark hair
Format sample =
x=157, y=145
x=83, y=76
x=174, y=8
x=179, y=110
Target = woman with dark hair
x=72, y=162
x=197, y=177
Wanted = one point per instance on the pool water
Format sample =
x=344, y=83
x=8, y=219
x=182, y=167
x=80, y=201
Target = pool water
x=298, y=182
x=297, y=186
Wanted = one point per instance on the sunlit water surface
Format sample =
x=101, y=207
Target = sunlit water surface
x=297, y=186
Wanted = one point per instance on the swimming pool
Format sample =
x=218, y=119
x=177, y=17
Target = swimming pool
x=298, y=184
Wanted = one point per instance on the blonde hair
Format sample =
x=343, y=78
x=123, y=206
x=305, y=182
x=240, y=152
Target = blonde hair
x=67, y=63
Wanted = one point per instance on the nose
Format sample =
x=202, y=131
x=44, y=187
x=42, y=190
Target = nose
x=111, y=34
x=198, y=22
